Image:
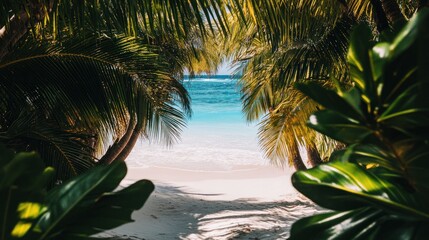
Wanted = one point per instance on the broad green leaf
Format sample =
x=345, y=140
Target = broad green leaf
x=20, y=171
x=353, y=97
x=416, y=28
x=23, y=180
x=347, y=186
x=371, y=154
x=72, y=198
x=359, y=60
x=360, y=224
x=408, y=110
x=348, y=225
x=113, y=209
x=379, y=182
x=378, y=55
x=339, y=127
x=331, y=100
x=90, y=195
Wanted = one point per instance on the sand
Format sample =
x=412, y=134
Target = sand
x=247, y=202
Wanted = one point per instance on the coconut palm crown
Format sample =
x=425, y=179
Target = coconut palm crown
x=83, y=80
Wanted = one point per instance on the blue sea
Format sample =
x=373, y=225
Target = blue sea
x=217, y=136
x=215, y=100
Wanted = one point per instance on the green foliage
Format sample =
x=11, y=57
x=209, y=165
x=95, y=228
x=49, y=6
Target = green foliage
x=305, y=41
x=377, y=186
x=23, y=179
x=131, y=17
x=285, y=42
x=76, y=76
x=82, y=206
x=59, y=96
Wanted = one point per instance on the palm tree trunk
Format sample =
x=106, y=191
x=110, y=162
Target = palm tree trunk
x=379, y=16
x=296, y=159
x=131, y=143
x=114, y=150
x=393, y=12
x=313, y=154
x=140, y=125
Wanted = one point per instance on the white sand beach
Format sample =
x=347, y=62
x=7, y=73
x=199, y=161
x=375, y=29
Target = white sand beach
x=247, y=202
x=214, y=183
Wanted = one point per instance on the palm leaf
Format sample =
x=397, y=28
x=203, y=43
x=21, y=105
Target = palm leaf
x=64, y=150
x=90, y=86
x=282, y=127
x=130, y=17
x=280, y=22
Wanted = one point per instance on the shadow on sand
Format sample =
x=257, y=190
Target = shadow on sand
x=174, y=213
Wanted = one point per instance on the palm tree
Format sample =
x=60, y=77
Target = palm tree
x=309, y=53
x=88, y=88
x=77, y=97
x=132, y=18
x=284, y=42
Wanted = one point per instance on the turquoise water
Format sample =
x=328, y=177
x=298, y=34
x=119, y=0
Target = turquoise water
x=217, y=136
x=215, y=100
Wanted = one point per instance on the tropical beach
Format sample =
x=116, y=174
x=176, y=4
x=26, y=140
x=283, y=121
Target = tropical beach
x=214, y=183
x=118, y=120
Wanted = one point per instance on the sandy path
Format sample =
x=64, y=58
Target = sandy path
x=245, y=203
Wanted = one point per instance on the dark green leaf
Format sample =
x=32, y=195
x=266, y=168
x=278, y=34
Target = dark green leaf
x=91, y=195
x=21, y=170
x=347, y=186
x=65, y=199
x=23, y=179
x=359, y=224
x=331, y=100
x=409, y=109
x=348, y=225
x=113, y=209
x=358, y=58
x=339, y=127
x=415, y=29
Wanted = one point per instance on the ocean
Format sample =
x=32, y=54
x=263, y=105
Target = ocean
x=217, y=136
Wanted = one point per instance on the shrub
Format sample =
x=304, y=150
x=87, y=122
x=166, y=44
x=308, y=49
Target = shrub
x=377, y=186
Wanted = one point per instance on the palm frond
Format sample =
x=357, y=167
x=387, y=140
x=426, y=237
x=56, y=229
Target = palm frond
x=284, y=125
x=360, y=8
x=92, y=85
x=267, y=72
x=284, y=21
x=257, y=94
x=319, y=57
x=129, y=17
x=67, y=151
x=167, y=106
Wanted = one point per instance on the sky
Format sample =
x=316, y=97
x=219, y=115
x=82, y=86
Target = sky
x=225, y=68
